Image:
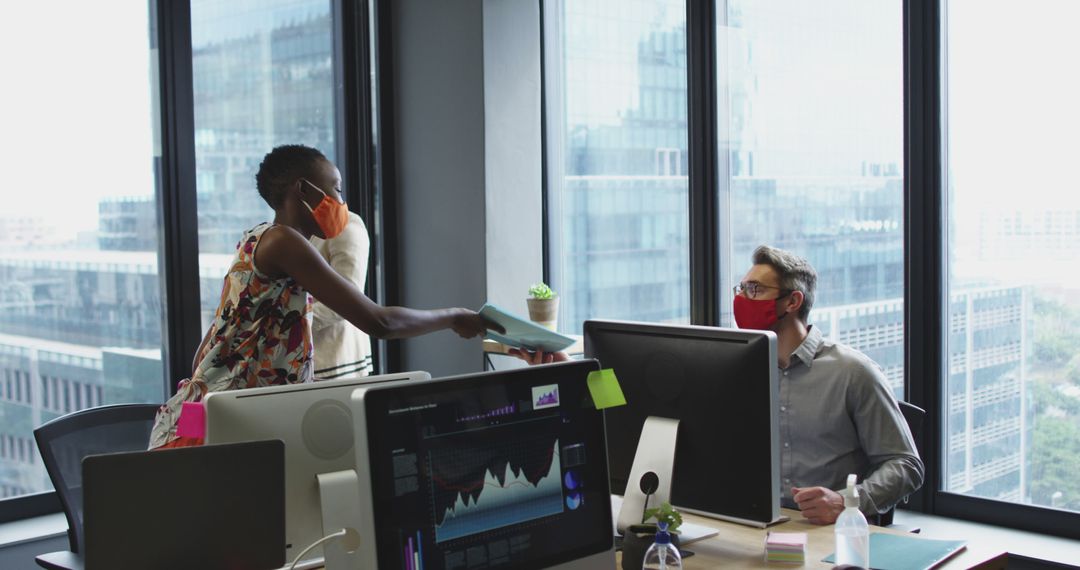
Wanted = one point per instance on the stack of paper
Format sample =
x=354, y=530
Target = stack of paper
x=785, y=547
x=522, y=333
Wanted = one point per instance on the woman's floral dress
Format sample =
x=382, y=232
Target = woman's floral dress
x=261, y=336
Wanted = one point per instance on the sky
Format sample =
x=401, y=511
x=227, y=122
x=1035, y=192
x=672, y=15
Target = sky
x=1013, y=112
x=824, y=81
x=76, y=110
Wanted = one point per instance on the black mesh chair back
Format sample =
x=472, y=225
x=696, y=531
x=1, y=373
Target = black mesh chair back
x=913, y=416
x=65, y=441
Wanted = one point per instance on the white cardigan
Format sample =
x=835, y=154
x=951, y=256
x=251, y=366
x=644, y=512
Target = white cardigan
x=342, y=350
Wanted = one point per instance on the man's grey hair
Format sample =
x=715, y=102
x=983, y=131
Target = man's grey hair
x=796, y=274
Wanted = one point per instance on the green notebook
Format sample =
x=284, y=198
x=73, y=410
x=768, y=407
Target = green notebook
x=907, y=552
x=523, y=333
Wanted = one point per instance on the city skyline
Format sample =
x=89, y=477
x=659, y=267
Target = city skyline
x=813, y=163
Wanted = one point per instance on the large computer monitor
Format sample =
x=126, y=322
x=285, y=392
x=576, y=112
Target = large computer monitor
x=721, y=384
x=496, y=469
x=315, y=422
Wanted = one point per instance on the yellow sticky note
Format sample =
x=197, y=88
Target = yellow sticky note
x=605, y=389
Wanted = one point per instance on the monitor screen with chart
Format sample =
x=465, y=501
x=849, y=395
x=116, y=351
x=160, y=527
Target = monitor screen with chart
x=486, y=470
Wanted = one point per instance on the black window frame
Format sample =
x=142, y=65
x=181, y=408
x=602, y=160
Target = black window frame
x=366, y=164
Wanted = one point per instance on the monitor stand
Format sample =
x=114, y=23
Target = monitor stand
x=655, y=453
x=339, y=494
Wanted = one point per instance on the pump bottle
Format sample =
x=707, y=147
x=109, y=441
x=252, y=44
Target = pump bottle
x=852, y=532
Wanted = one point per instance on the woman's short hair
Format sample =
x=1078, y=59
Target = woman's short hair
x=281, y=167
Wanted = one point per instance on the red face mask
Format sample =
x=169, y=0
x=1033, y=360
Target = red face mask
x=329, y=214
x=756, y=314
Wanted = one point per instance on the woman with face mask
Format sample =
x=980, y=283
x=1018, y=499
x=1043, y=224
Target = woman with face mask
x=261, y=332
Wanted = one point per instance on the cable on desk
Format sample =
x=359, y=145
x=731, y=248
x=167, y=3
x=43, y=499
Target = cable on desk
x=351, y=537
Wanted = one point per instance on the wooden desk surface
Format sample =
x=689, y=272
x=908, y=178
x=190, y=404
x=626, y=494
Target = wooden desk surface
x=739, y=546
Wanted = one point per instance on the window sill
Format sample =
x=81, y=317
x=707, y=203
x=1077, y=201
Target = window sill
x=1023, y=543
x=32, y=529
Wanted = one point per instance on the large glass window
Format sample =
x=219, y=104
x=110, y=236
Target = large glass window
x=263, y=76
x=1012, y=394
x=80, y=305
x=615, y=80
x=810, y=112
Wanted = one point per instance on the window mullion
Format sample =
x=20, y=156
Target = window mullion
x=702, y=130
x=923, y=221
x=178, y=256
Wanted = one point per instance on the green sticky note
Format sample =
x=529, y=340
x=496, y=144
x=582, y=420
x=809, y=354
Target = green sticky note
x=605, y=389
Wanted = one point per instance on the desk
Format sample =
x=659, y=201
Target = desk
x=739, y=546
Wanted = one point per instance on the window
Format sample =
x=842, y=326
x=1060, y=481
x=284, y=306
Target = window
x=810, y=156
x=616, y=160
x=78, y=229
x=263, y=76
x=1013, y=391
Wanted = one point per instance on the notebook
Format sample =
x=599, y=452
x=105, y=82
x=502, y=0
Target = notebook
x=906, y=552
x=523, y=333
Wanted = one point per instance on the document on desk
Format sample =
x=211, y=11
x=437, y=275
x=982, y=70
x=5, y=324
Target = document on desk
x=523, y=333
x=907, y=552
x=688, y=532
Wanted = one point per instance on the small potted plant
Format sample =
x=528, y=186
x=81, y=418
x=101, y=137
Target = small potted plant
x=639, y=537
x=543, y=305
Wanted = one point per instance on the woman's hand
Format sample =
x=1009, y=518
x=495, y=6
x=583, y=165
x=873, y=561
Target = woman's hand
x=468, y=324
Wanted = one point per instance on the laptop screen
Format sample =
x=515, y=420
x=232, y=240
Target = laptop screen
x=209, y=507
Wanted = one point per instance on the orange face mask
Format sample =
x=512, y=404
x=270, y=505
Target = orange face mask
x=329, y=214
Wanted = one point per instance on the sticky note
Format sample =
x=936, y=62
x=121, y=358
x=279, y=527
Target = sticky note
x=192, y=422
x=605, y=389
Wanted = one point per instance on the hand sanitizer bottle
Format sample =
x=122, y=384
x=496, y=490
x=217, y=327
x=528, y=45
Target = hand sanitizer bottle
x=852, y=532
x=662, y=555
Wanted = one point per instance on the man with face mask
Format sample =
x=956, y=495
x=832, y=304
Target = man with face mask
x=837, y=413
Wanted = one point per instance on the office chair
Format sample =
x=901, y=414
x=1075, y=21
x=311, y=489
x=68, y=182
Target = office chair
x=65, y=441
x=913, y=415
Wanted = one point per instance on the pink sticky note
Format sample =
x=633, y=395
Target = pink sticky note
x=192, y=422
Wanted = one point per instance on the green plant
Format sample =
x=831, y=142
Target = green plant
x=664, y=513
x=541, y=291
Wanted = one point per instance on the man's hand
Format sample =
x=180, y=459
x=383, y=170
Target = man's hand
x=818, y=504
x=539, y=357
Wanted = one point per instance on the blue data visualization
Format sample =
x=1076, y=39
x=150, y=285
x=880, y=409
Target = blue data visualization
x=508, y=494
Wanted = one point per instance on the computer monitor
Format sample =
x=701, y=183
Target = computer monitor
x=213, y=507
x=721, y=384
x=314, y=420
x=496, y=469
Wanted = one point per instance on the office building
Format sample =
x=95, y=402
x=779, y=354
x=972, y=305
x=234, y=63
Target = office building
x=630, y=153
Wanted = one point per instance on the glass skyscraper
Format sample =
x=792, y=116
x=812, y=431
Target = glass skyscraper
x=618, y=190
x=80, y=323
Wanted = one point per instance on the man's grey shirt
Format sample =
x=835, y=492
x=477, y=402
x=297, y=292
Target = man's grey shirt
x=838, y=416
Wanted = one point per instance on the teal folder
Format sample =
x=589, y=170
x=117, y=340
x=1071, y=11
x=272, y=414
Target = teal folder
x=522, y=333
x=906, y=552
